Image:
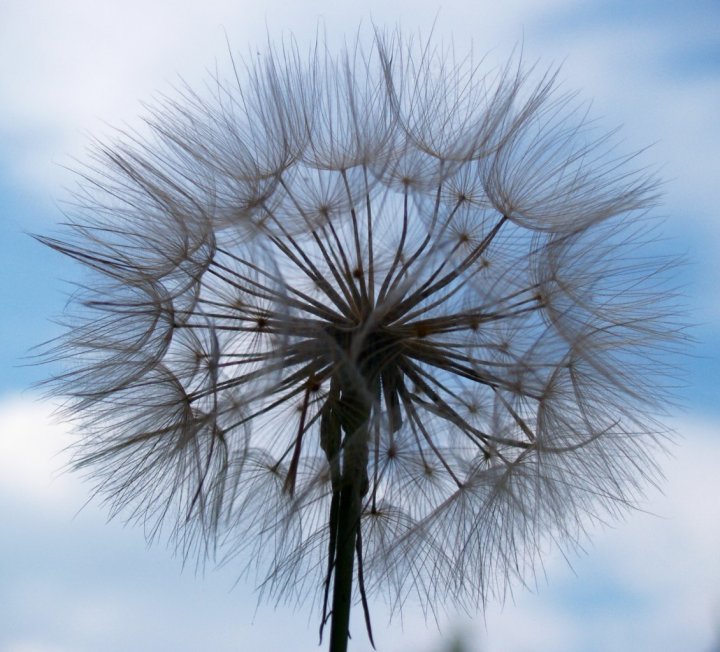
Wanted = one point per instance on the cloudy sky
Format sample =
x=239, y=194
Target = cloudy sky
x=72, y=582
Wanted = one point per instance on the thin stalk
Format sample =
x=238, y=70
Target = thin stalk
x=347, y=529
x=352, y=414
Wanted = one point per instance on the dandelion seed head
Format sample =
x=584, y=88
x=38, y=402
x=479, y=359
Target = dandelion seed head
x=388, y=268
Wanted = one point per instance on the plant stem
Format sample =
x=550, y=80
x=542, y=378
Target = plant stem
x=348, y=523
x=349, y=486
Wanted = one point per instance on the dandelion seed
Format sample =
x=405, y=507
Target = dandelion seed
x=376, y=325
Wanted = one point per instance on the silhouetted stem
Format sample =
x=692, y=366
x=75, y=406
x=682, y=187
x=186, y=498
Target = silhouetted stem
x=348, y=523
x=353, y=412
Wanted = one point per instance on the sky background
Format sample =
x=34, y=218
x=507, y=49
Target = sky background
x=72, y=582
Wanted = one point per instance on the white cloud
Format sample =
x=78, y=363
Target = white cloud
x=70, y=68
x=627, y=71
x=31, y=646
x=651, y=582
x=648, y=583
x=31, y=457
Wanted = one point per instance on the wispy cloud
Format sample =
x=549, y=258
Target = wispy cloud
x=68, y=69
x=649, y=583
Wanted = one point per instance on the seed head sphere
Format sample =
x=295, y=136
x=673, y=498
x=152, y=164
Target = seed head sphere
x=385, y=302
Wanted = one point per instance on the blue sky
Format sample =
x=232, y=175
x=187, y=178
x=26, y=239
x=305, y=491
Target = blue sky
x=71, y=582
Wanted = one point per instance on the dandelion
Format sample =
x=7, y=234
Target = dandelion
x=378, y=324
